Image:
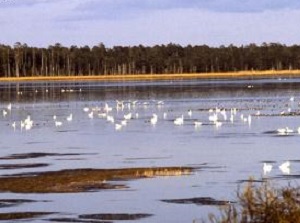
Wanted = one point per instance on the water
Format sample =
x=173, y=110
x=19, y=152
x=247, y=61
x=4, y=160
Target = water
x=226, y=155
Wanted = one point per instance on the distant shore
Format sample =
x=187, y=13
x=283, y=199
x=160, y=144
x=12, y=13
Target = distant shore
x=135, y=77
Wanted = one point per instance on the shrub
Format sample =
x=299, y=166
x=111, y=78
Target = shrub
x=262, y=203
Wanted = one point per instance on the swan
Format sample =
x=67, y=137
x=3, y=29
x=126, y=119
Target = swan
x=110, y=118
x=107, y=108
x=13, y=125
x=213, y=118
x=231, y=118
x=91, y=115
x=285, y=130
x=224, y=114
x=70, y=118
x=58, y=123
x=179, y=120
x=165, y=115
x=218, y=124
x=4, y=112
x=118, y=126
x=197, y=124
x=154, y=119
x=285, y=167
x=267, y=168
x=9, y=107
x=128, y=116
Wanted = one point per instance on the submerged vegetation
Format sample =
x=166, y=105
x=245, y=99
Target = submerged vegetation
x=263, y=203
x=22, y=60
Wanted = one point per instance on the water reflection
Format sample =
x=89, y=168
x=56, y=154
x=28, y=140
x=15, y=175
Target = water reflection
x=70, y=91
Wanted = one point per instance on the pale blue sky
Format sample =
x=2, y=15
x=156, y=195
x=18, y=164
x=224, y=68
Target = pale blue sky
x=149, y=22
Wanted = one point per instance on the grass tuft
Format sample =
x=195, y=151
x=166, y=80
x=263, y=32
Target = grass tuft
x=262, y=203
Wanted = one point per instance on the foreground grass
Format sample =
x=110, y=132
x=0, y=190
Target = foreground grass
x=262, y=203
x=225, y=75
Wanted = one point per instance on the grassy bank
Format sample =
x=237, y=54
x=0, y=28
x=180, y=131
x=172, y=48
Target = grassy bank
x=224, y=75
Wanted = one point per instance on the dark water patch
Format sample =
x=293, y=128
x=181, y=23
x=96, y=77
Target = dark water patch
x=5, y=203
x=22, y=215
x=76, y=220
x=286, y=114
x=287, y=177
x=250, y=181
x=39, y=155
x=149, y=158
x=115, y=217
x=64, y=131
x=295, y=161
x=284, y=135
x=269, y=161
x=37, y=142
x=275, y=133
x=22, y=166
x=198, y=201
x=82, y=180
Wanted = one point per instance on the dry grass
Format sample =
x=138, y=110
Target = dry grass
x=262, y=203
x=83, y=180
x=240, y=74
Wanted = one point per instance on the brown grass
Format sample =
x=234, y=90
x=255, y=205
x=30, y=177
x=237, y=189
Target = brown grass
x=224, y=75
x=262, y=203
x=83, y=180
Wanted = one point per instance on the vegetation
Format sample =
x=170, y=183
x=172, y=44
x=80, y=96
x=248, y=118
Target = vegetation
x=22, y=60
x=82, y=180
x=263, y=203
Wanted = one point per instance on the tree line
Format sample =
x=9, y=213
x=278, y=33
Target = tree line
x=22, y=60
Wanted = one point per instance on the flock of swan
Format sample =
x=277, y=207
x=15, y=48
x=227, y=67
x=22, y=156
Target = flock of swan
x=215, y=116
x=284, y=168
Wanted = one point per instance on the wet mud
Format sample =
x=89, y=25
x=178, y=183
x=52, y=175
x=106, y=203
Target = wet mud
x=198, y=201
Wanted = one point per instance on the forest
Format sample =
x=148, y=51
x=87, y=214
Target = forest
x=22, y=60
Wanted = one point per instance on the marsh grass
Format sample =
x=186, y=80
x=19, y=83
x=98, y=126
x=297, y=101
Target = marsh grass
x=262, y=203
x=145, y=77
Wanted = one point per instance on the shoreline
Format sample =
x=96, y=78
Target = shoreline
x=148, y=77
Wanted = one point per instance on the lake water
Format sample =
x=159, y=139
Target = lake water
x=222, y=155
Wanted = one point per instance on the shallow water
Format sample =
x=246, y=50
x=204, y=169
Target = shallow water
x=223, y=156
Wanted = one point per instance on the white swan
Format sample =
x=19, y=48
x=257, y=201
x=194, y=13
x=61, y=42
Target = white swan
x=110, y=118
x=154, y=119
x=267, y=168
x=179, y=120
x=118, y=126
x=285, y=130
x=58, y=123
x=4, y=112
x=213, y=117
x=285, y=167
x=9, y=107
x=197, y=124
x=70, y=118
x=128, y=116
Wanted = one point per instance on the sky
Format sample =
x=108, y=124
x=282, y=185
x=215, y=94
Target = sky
x=149, y=22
